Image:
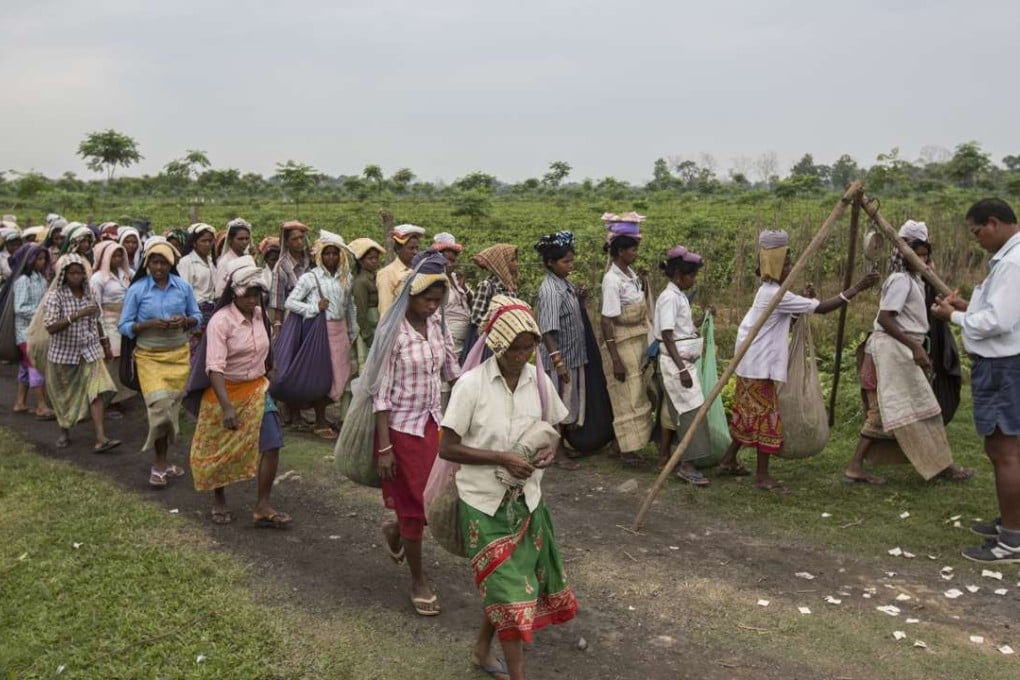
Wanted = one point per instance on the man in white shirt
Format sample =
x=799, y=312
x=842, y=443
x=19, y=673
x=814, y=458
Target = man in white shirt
x=990, y=325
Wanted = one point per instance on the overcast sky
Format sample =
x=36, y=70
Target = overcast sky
x=446, y=87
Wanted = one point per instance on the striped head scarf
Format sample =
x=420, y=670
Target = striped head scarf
x=496, y=260
x=508, y=317
x=104, y=252
x=402, y=233
x=432, y=269
x=73, y=235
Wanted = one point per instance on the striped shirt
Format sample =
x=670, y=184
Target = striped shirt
x=285, y=278
x=80, y=341
x=559, y=312
x=414, y=376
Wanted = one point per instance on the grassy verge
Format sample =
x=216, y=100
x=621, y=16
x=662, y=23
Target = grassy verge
x=95, y=583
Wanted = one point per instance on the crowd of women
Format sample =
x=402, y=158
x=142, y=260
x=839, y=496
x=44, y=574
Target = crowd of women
x=244, y=344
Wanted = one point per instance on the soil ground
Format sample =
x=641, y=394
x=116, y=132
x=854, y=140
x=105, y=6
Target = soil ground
x=677, y=600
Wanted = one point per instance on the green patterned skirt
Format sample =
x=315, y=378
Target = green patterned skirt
x=518, y=568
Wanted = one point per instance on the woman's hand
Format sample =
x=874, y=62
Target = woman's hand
x=619, y=372
x=516, y=465
x=921, y=357
x=387, y=464
x=564, y=373
x=323, y=304
x=685, y=378
x=544, y=457
x=230, y=417
x=957, y=302
x=867, y=282
x=582, y=292
x=85, y=312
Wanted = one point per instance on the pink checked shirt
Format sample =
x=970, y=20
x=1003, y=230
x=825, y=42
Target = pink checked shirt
x=236, y=347
x=414, y=376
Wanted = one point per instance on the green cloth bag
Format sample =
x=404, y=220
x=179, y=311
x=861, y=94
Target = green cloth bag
x=708, y=374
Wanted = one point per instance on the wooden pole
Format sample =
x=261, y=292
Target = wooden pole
x=816, y=243
x=851, y=258
x=916, y=263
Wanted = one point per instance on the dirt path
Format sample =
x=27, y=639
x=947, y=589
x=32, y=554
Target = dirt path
x=634, y=616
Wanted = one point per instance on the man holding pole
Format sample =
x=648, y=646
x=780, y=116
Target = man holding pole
x=990, y=325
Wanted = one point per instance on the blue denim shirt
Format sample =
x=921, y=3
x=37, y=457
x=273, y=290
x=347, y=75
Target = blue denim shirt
x=145, y=300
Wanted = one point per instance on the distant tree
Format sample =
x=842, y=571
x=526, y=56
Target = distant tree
x=612, y=188
x=662, y=178
x=475, y=204
x=739, y=180
x=805, y=166
x=529, y=185
x=225, y=181
x=967, y=163
x=844, y=171
x=104, y=151
x=1012, y=162
x=297, y=179
x=686, y=172
x=558, y=171
x=373, y=173
x=402, y=179
x=29, y=184
x=933, y=153
x=476, y=181
x=766, y=166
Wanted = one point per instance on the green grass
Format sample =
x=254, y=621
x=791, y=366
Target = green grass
x=144, y=594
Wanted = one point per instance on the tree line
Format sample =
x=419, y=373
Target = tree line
x=193, y=179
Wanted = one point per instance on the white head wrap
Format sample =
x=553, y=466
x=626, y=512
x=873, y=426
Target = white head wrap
x=243, y=273
x=33, y=232
x=914, y=231
x=198, y=227
x=124, y=232
x=9, y=234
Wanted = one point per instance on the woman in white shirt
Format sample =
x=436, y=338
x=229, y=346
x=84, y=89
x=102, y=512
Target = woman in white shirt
x=327, y=288
x=108, y=285
x=625, y=337
x=679, y=347
x=198, y=268
x=755, y=421
x=507, y=529
x=235, y=245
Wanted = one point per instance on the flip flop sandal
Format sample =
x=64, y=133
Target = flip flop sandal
x=45, y=416
x=19, y=410
x=222, y=517
x=108, y=445
x=63, y=443
x=499, y=669
x=737, y=470
x=157, y=479
x=425, y=606
x=174, y=471
x=631, y=459
x=866, y=479
x=956, y=475
x=325, y=433
x=693, y=478
x=777, y=488
x=278, y=520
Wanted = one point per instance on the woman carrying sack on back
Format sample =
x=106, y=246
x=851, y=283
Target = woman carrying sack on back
x=159, y=313
x=679, y=347
x=407, y=415
x=625, y=337
x=327, y=288
x=756, y=421
x=507, y=529
x=109, y=285
x=76, y=376
x=366, y=295
x=238, y=435
x=901, y=403
x=29, y=264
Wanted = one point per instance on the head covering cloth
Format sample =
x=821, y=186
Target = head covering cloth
x=64, y=263
x=507, y=318
x=496, y=260
x=680, y=252
x=104, y=252
x=124, y=232
x=773, y=245
x=177, y=233
x=73, y=235
x=560, y=239
x=243, y=273
x=429, y=268
x=24, y=257
x=914, y=234
x=269, y=243
x=402, y=233
x=108, y=231
x=160, y=247
x=444, y=240
x=233, y=226
x=627, y=224
x=33, y=233
x=360, y=247
x=10, y=234
x=328, y=239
